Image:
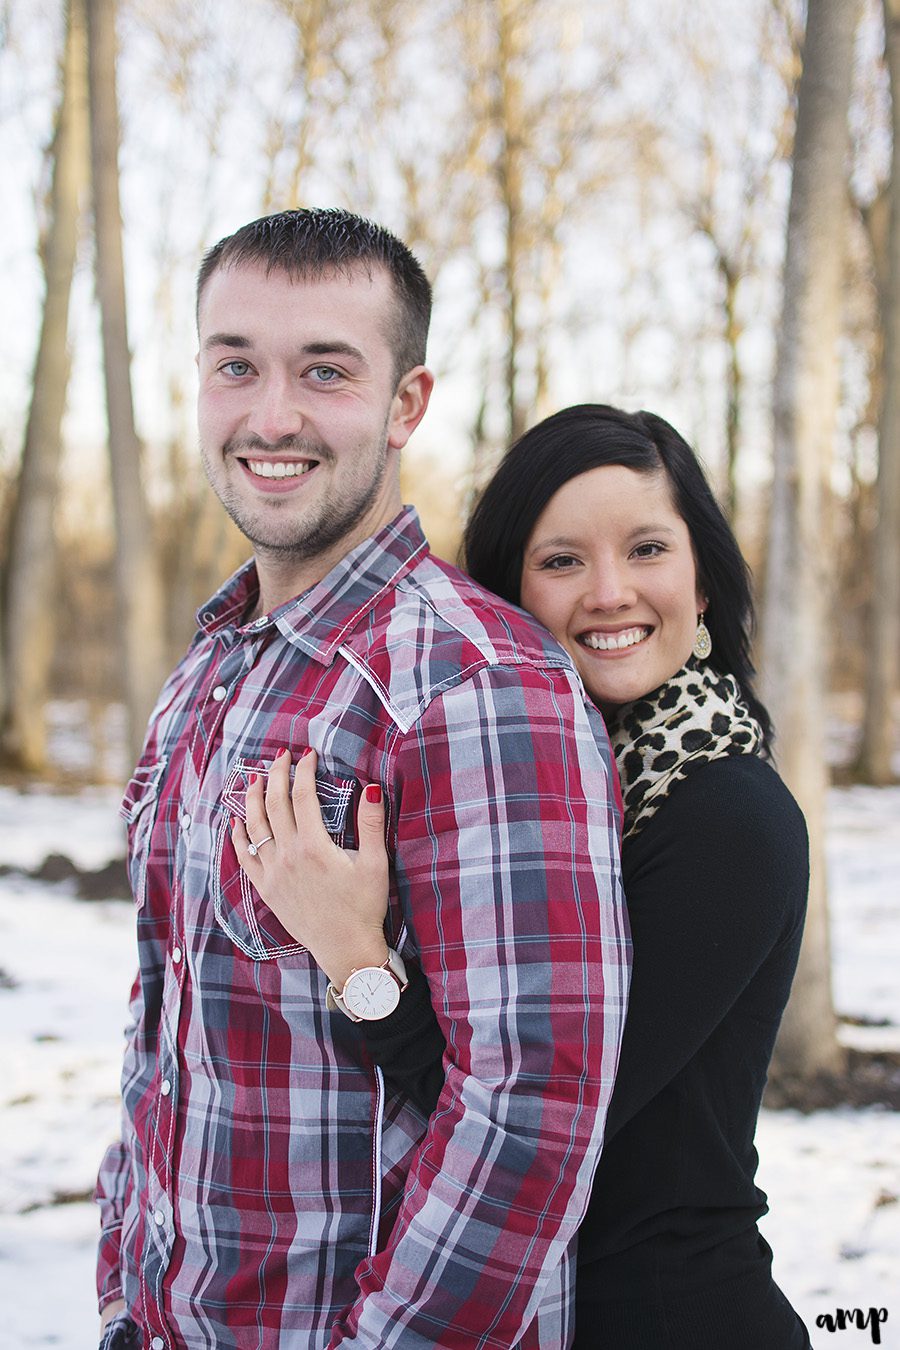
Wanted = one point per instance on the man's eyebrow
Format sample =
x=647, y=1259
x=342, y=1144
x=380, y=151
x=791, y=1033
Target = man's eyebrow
x=336, y=348
x=226, y=340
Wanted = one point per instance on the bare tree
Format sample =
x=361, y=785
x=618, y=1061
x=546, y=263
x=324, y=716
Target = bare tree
x=30, y=621
x=139, y=588
x=729, y=202
x=805, y=400
x=883, y=665
x=544, y=142
x=510, y=120
x=289, y=127
x=195, y=540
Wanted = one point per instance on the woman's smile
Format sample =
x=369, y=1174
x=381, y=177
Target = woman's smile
x=614, y=640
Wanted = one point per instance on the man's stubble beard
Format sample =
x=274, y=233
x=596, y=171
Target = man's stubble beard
x=330, y=522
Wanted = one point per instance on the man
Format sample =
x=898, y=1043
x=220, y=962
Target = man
x=267, y=1191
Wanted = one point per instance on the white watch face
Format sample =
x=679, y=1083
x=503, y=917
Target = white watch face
x=371, y=993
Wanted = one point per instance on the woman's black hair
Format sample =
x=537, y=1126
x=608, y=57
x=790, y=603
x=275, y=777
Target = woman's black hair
x=586, y=437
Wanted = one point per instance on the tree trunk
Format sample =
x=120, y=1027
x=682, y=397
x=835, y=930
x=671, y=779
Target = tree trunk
x=509, y=122
x=883, y=668
x=137, y=575
x=733, y=384
x=30, y=621
x=805, y=401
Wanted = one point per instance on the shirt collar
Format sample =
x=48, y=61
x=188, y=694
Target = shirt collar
x=319, y=620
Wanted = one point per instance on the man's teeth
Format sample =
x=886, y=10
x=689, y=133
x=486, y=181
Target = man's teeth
x=265, y=468
x=611, y=642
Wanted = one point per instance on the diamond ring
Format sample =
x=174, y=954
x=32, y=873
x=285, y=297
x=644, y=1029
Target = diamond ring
x=253, y=849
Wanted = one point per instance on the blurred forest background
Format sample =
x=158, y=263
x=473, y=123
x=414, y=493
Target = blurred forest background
x=692, y=208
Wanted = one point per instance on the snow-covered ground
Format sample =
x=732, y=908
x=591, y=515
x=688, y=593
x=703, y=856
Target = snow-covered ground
x=833, y=1178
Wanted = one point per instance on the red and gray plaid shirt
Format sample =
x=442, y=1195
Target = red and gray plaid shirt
x=269, y=1189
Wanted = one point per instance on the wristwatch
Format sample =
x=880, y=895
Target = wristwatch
x=372, y=992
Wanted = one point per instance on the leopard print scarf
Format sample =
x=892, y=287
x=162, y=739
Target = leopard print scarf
x=696, y=716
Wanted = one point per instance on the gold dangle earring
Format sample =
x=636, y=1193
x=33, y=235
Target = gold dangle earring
x=702, y=640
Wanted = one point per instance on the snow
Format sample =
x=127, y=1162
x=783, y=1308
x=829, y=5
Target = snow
x=833, y=1177
x=864, y=865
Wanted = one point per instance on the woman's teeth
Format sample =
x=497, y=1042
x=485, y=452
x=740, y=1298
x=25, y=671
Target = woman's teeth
x=611, y=642
x=267, y=469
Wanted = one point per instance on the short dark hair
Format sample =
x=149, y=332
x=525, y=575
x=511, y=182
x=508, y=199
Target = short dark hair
x=314, y=241
x=586, y=437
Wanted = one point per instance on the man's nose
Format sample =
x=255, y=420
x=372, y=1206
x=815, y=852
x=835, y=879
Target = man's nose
x=275, y=411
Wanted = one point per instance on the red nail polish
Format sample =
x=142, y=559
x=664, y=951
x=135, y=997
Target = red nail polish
x=253, y=778
x=306, y=752
x=280, y=753
x=373, y=794
x=233, y=822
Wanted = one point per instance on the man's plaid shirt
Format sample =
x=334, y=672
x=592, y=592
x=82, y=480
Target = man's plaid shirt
x=269, y=1190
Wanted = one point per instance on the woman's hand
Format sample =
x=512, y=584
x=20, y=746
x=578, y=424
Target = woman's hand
x=331, y=900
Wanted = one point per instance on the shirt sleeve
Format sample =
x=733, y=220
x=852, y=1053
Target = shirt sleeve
x=716, y=886
x=111, y=1191
x=408, y=1045
x=507, y=869
x=109, y=1194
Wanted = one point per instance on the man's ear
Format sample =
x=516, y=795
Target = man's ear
x=408, y=407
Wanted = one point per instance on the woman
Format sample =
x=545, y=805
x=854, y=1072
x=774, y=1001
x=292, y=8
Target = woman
x=602, y=525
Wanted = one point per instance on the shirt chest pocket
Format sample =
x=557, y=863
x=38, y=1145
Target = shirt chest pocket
x=239, y=909
x=138, y=810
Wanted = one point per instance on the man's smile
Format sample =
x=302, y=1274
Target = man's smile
x=267, y=468
x=276, y=476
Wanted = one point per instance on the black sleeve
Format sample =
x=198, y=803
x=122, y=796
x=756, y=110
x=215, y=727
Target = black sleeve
x=713, y=883
x=408, y=1045
x=716, y=887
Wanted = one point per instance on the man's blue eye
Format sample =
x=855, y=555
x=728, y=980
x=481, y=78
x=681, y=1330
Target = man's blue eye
x=236, y=368
x=325, y=374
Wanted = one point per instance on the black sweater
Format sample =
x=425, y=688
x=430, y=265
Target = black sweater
x=669, y=1256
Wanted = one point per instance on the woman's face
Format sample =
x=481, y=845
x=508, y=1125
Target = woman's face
x=609, y=569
